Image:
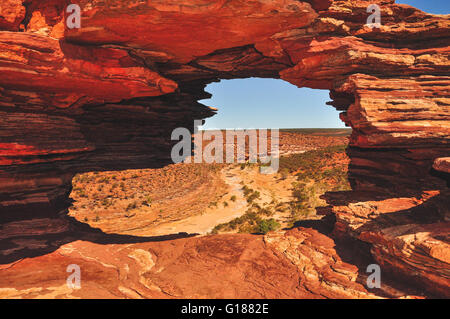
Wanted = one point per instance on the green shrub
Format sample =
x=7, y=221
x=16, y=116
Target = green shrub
x=253, y=196
x=250, y=194
x=267, y=225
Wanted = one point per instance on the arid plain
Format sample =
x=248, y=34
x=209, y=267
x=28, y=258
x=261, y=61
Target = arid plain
x=87, y=180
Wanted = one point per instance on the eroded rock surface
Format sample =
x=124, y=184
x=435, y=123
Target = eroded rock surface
x=300, y=263
x=442, y=164
x=108, y=95
x=409, y=236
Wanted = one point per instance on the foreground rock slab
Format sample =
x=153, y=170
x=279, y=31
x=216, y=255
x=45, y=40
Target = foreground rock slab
x=300, y=263
x=107, y=96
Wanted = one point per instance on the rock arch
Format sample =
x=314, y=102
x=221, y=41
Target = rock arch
x=108, y=95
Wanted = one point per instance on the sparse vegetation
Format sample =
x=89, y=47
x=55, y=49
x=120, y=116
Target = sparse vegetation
x=99, y=196
x=250, y=222
x=317, y=172
x=312, y=163
x=250, y=194
x=267, y=225
x=136, y=193
x=253, y=221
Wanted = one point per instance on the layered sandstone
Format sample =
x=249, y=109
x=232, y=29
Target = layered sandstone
x=301, y=263
x=107, y=96
x=408, y=235
x=442, y=164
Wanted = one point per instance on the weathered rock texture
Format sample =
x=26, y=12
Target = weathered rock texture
x=442, y=164
x=301, y=263
x=108, y=95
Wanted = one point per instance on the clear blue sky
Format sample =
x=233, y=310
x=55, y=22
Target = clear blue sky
x=271, y=103
x=430, y=6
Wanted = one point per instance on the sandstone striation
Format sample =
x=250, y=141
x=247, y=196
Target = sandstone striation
x=108, y=95
x=408, y=235
x=301, y=263
x=442, y=164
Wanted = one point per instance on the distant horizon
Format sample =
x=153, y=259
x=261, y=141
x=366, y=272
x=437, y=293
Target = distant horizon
x=275, y=103
x=268, y=103
x=279, y=128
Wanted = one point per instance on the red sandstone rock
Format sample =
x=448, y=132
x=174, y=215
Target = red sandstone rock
x=301, y=263
x=187, y=29
x=410, y=236
x=108, y=95
x=63, y=75
x=442, y=164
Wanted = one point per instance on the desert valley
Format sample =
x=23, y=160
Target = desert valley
x=168, y=232
x=93, y=204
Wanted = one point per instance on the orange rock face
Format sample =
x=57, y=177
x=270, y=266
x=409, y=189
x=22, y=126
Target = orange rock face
x=108, y=95
x=442, y=164
x=300, y=263
x=12, y=12
x=409, y=235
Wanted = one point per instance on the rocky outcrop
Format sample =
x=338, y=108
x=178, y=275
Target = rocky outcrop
x=301, y=263
x=108, y=95
x=409, y=236
x=442, y=164
x=12, y=13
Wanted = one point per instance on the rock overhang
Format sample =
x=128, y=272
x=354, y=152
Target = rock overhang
x=107, y=95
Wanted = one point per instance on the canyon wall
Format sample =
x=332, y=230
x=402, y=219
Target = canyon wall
x=107, y=96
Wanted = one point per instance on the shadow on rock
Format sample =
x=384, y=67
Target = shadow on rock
x=29, y=245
